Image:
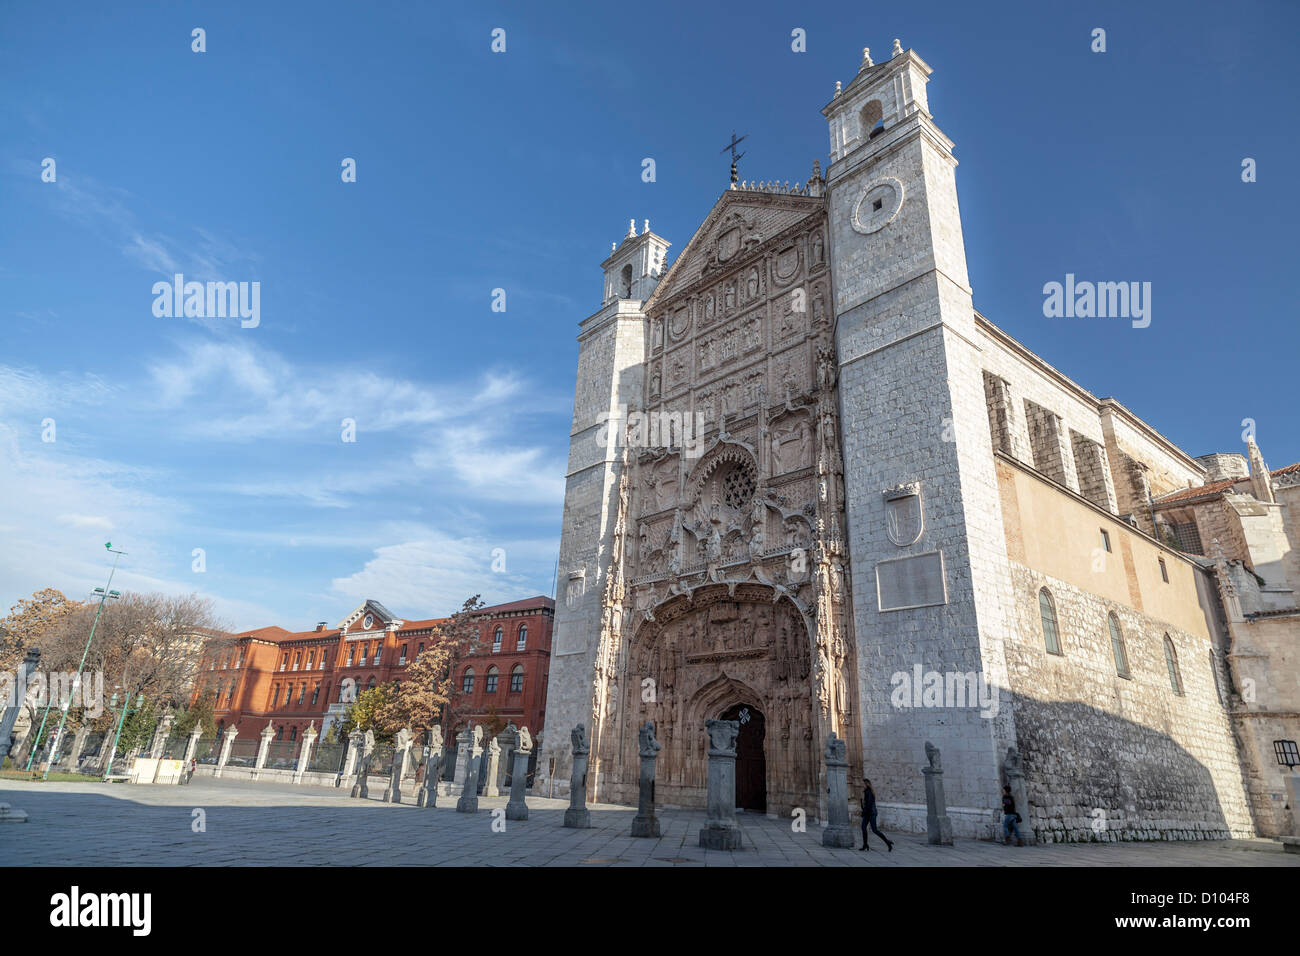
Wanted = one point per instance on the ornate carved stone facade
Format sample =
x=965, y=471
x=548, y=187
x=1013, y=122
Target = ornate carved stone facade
x=869, y=485
x=727, y=580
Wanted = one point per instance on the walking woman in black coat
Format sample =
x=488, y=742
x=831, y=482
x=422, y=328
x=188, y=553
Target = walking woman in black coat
x=869, y=817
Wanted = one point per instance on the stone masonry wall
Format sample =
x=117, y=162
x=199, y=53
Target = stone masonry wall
x=1108, y=758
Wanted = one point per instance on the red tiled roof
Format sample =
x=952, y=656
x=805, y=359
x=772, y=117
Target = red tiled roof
x=301, y=635
x=273, y=634
x=1217, y=487
x=1213, y=487
x=419, y=625
x=528, y=603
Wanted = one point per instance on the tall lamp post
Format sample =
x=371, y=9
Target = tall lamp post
x=104, y=594
x=117, y=733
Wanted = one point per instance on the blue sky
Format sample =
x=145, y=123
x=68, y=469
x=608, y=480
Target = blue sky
x=478, y=171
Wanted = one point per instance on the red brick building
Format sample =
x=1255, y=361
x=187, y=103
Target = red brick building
x=295, y=679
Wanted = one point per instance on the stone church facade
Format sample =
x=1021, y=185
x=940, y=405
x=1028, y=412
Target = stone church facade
x=810, y=488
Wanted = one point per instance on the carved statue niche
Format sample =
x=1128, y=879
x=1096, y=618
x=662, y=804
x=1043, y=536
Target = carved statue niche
x=791, y=444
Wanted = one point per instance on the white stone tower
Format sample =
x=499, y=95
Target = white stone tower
x=914, y=422
x=611, y=357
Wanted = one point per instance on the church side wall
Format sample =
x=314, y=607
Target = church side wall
x=1105, y=757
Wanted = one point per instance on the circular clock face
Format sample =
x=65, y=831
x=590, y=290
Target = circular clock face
x=369, y=622
x=878, y=206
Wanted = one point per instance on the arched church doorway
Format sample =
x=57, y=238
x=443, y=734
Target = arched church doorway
x=751, y=764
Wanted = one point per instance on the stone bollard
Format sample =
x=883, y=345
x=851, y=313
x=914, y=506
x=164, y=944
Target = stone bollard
x=1015, y=778
x=517, y=808
x=578, y=816
x=468, y=802
x=493, y=768
x=361, y=788
x=226, y=744
x=938, y=826
x=838, y=832
x=645, y=824
x=428, y=795
x=14, y=703
x=401, y=747
x=721, y=830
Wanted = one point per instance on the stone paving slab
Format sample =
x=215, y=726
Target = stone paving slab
x=271, y=824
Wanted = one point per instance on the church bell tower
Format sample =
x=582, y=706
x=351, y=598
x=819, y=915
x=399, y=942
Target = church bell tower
x=931, y=584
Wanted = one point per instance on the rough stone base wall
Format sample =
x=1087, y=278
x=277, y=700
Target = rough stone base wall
x=1110, y=759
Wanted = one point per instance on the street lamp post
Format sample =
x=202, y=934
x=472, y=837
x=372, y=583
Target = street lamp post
x=117, y=734
x=104, y=594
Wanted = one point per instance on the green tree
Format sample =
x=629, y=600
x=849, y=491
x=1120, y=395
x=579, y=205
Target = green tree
x=371, y=711
x=200, y=715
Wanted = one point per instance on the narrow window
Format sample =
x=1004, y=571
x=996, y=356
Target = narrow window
x=293, y=734
x=315, y=694
x=302, y=693
x=496, y=641
x=311, y=656
x=284, y=664
x=517, y=679
x=1164, y=571
x=351, y=653
x=491, y=687
x=1171, y=661
x=523, y=637
x=275, y=696
x=378, y=650
x=1117, y=646
x=1047, y=610
x=402, y=657
x=1105, y=539
x=467, y=683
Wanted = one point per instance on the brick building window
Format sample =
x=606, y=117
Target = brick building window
x=361, y=661
x=496, y=641
x=517, y=679
x=370, y=684
x=523, y=637
x=297, y=660
x=1047, y=611
x=302, y=693
x=315, y=694
x=378, y=650
x=1171, y=662
x=279, y=734
x=402, y=657
x=419, y=650
x=311, y=656
x=491, y=687
x=1117, y=646
x=351, y=652
x=467, y=682
x=293, y=734
x=284, y=664
x=275, y=695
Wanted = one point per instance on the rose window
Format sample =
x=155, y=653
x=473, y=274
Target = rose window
x=738, y=487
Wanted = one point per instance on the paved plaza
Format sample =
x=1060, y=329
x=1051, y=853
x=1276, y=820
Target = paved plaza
x=254, y=824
